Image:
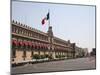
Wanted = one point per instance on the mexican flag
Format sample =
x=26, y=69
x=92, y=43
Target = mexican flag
x=45, y=19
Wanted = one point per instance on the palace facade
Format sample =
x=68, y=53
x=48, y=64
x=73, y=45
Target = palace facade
x=29, y=43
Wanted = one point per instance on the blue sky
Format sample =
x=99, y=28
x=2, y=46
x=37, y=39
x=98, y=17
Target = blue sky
x=70, y=22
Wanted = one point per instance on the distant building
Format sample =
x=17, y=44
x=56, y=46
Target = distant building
x=93, y=52
x=85, y=51
x=81, y=52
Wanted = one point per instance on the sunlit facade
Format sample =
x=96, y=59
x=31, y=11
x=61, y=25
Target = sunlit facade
x=29, y=43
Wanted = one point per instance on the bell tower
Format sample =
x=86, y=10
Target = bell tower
x=50, y=33
x=50, y=37
x=51, y=40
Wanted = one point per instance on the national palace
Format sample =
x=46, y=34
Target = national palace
x=29, y=43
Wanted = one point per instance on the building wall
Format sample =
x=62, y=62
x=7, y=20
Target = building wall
x=28, y=55
x=19, y=56
x=45, y=43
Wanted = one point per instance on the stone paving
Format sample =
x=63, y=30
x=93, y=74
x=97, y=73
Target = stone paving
x=70, y=64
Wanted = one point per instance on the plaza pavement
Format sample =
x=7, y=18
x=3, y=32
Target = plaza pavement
x=62, y=65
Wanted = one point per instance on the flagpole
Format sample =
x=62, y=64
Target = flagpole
x=49, y=17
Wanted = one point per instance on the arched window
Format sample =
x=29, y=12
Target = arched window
x=12, y=29
x=26, y=32
x=16, y=30
x=20, y=30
